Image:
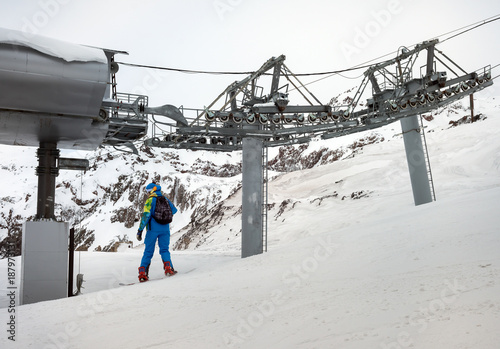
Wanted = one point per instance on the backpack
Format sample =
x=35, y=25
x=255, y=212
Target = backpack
x=163, y=212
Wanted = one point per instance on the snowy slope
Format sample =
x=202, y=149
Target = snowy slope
x=464, y=157
x=423, y=277
x=368, y=270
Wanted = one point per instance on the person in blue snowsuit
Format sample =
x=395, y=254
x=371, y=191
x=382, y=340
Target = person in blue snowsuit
x=155, y=231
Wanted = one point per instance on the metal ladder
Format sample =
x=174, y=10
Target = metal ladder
x=264, y=197
x=426, y=156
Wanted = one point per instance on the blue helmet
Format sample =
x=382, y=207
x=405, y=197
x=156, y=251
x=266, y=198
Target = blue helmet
x=153, y=187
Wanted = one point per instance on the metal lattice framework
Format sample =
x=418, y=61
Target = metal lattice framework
x=397, y=92
x=251, y=120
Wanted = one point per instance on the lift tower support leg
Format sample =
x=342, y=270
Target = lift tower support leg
x=415, y=152
x=251, y=225
x=47, y=171
x=416, y=160
x=44, y=272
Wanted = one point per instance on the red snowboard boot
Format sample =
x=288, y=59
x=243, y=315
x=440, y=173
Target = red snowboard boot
x=168, y=269
x=143, y=276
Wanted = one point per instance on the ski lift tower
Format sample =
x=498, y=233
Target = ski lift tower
x=251, y=121
x=57, y=95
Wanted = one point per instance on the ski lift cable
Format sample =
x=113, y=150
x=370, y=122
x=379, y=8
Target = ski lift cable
x=363, y=65
x=467, y=28
x=367, y=64
x=471, y=27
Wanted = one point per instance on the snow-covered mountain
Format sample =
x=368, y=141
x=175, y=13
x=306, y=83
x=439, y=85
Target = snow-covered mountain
x=351, y=262
x=104, y=203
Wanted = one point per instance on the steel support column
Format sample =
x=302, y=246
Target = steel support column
x=251, y=225
x=47, y=172
x=416, y=160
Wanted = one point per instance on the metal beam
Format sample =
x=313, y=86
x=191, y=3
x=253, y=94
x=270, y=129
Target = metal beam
x=73, y=164
x=291, y=109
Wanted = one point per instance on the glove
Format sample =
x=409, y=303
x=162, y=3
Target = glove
x=139, y=235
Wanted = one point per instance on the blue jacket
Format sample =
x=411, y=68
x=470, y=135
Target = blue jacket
x=147, y=220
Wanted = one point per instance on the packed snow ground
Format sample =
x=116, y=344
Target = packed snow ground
x=423, y=277
x=376, y=272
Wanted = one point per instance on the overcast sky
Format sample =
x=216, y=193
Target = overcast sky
x=240, y=35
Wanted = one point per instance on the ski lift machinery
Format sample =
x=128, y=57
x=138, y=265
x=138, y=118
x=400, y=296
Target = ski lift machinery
x=57, y=95
x=252, y=121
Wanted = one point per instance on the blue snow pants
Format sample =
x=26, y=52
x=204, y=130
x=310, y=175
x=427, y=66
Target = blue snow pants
x=163, y=237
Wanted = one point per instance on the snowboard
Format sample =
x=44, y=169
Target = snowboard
x=153, y=279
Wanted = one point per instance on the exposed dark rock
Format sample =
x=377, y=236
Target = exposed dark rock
x=115, y=243
x=11, y=245
x=83, y=239
x=320, y=200
x=358, y=195
x=467, y=120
